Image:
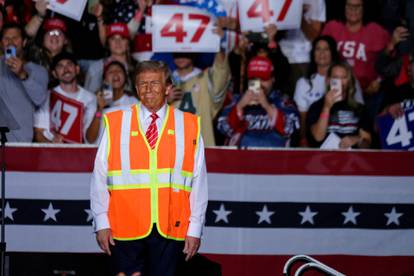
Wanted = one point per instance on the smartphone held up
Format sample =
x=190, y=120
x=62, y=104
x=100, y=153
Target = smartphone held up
x=108, y=93
x=254, y=86
x=10, y=52
x=336, y=85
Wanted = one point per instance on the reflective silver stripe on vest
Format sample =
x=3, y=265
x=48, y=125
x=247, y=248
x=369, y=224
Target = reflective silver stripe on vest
x=173, y=177
x=129, y=179
x=125, y=138
x=126, y=177
x=177, y=177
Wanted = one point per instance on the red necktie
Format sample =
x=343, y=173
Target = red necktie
x=152, y=132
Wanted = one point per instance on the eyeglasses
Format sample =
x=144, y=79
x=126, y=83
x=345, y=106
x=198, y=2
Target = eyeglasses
x=143, y=85
x=55, y=33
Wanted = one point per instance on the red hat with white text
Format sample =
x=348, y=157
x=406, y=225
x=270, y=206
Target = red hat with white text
x=260, y=67
x=117, y=28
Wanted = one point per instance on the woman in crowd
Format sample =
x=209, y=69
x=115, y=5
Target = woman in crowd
x=312, y=87
x=118, y=45
x=339, y=113
x=359, y=43
x=113, y=95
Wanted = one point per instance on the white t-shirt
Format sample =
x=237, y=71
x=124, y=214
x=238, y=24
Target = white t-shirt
x=42, y=115
x=124, y=101
x=295, y=46
x=305, y=95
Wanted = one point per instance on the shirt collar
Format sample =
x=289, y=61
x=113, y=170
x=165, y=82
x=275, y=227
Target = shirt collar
x=147, y=114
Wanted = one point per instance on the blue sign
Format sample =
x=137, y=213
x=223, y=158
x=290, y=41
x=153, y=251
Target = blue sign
x=398, y=133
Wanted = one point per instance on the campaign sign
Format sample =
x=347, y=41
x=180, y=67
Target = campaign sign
x=70, y=8
x=255, y=14
x=66, y=117
x=398, y=133
x=183, y=29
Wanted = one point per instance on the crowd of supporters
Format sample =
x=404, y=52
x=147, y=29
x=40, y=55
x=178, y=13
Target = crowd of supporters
x=333, y=77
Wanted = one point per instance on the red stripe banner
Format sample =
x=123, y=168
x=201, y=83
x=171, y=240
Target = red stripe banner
x=353, y=210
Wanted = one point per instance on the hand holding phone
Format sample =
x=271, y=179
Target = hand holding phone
x=10, y=52
x=108, y=93
x=336, y=85
x=254, y=86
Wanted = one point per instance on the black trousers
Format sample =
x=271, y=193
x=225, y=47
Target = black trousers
x=151, y=256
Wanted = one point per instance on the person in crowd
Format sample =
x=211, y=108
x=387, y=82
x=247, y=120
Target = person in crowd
x=118, y=45
x=69, y=111
x=393, y=61
x=36, y=21
x=54, y=42
x=296, y=45
x=112, y=96
x=312, y=87
x=23, y=85
x=393, y=101
x=261, y=116
x=199, y=91
x=359, y=43
x=145, y=235
x=248, y=47
x=338, y=112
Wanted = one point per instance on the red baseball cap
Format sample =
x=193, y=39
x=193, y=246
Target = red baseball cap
x=143, y=47
x=54, y=24
x=260, y=67
x=117, y=28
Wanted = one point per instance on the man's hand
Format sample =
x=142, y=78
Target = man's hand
x=41, y=7
x=174, y=94
x=104, y=238
x=191, y=246
x=16, y=66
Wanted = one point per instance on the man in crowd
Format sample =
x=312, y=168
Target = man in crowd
x=200, y=92
x=261, y=116
x=23, y=85
x=67, y=114
x=146, y=220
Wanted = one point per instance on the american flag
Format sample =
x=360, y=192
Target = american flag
x=341, y=207
x=213, y=6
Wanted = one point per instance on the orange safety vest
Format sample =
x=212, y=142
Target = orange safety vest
x=147, y=185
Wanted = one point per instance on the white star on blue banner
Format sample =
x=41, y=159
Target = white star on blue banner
x=212, y=6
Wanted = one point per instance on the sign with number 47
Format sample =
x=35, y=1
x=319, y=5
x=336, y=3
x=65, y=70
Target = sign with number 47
x=398, y=133
x=255, y=14
x=183, y=29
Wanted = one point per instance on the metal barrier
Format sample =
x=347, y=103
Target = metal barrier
x=310, y=263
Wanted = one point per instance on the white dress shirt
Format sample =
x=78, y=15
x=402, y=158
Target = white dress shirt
x=99, y=190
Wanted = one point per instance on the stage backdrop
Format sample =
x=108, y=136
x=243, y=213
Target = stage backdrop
x=351, y=210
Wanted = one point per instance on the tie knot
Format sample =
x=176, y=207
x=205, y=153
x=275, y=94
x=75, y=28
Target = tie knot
x=154, y=116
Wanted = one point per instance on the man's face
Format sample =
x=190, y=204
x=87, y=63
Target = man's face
x=183, y=62
x=152, y=90
x=267, y=85
x=66, y=71
x=354, y=11
x=13, y=38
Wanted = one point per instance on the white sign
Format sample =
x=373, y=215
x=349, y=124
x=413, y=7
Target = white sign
x=183, y=29
x=70, y=8
x=255, y=14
